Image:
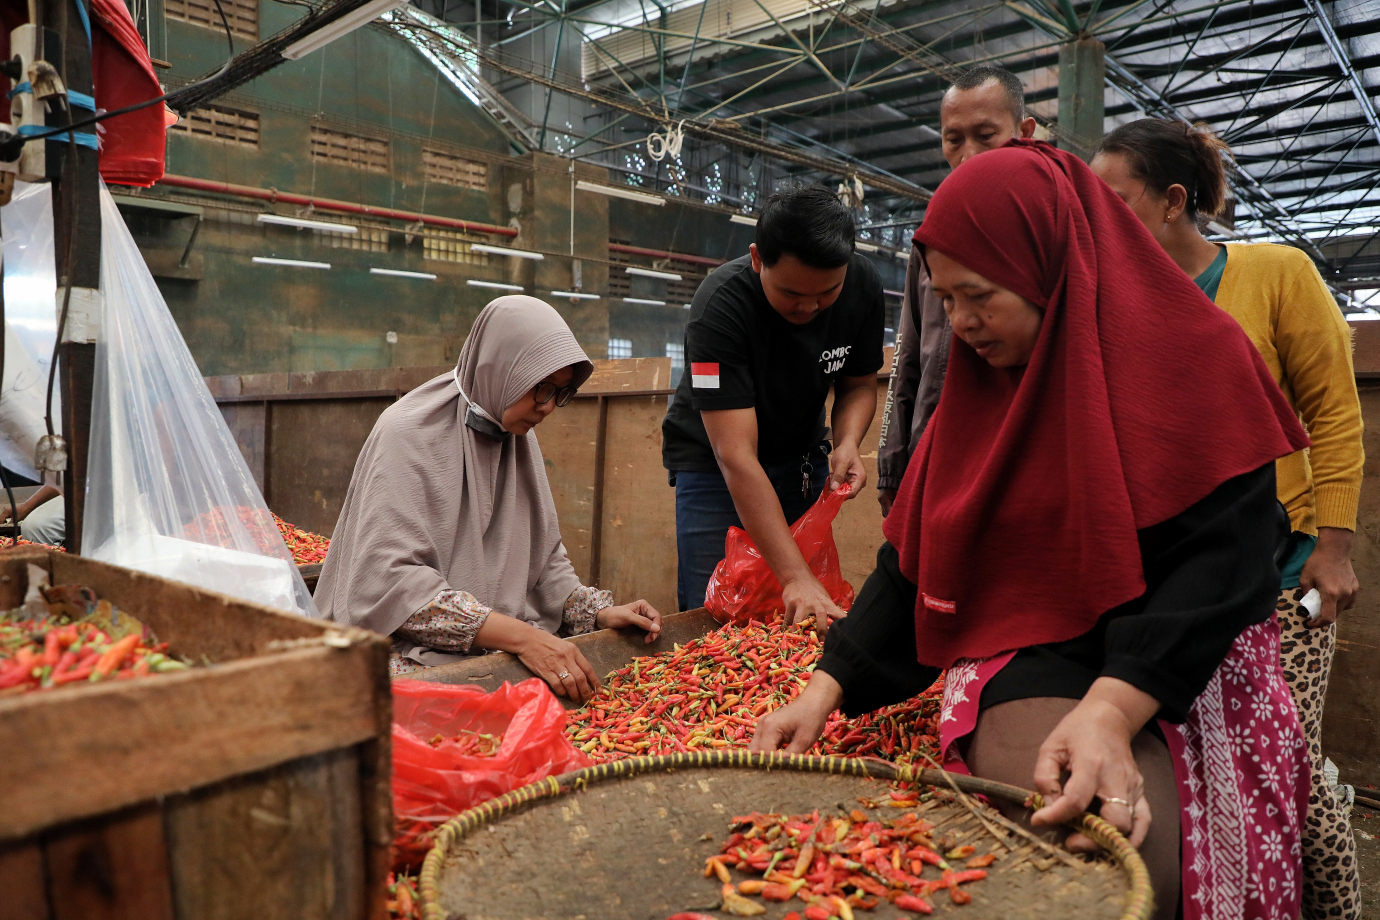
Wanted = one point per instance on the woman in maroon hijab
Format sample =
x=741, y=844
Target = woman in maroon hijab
x=1084, y=542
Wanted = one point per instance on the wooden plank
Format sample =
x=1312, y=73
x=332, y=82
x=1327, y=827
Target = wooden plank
x=312, y=453
x=606, y=650
x=1365, y=344
x=282, y=844
x=23, y=882
x=567, y=448
x=115, y=868
x=200, y=625
x=858, y=528
x=1351, y=716
x=639, y=551
x=132, y=741
x=246, y=422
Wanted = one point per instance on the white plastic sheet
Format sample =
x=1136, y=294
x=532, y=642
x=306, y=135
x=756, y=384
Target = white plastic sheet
x=26, y=224
x=168, y=491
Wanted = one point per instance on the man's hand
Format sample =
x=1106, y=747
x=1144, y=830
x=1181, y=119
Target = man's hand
x=886, y=498
x=846, y=466
x=1329, y=570
x=806, y=599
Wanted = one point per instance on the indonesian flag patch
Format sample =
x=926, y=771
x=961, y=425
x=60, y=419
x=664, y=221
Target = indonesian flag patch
x=704, y=376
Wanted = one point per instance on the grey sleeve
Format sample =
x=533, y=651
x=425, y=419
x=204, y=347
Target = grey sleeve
x=893, y=448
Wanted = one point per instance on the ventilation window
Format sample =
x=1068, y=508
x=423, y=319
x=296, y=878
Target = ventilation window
x=453, y=246
x=243, y=15
x=354, y=150
x=449, y=169
x=620, y=348
x=367, y=239
x=221, y=124
x=676, y=352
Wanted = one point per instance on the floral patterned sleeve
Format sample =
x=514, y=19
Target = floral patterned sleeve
x=448, y=622
x=582, y=610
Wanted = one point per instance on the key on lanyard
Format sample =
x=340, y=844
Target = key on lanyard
x=805, y=470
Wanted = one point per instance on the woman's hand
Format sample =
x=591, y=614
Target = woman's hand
x=559, y=663
x=797, y=727
x=1092, y=745
x=1329, y=570
x=639, y=613
x=806, y=599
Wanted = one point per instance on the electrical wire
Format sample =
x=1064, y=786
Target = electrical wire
x=13, y=143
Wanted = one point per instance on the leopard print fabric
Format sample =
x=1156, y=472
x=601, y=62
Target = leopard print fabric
x=1331, y=885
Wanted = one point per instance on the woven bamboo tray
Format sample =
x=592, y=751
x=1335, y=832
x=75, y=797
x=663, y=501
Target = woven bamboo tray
x=626, y=840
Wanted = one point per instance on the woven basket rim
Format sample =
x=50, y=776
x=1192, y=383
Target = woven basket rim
x=1139, y=903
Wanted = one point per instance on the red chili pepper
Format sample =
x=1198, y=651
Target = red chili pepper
x=915, y=905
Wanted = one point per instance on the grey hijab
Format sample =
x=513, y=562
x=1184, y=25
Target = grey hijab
x=442, y=497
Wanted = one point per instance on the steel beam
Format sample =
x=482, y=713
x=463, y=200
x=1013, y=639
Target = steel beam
x=1334, y=45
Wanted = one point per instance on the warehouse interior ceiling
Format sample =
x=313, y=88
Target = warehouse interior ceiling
x=758, y=92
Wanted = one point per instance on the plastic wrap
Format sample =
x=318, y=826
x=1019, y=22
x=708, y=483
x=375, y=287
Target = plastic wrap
x=168, y=491
x=26, y=224
x=743, y=587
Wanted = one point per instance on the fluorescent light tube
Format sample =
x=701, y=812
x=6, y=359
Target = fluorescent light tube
x=743, y=219
x=301, y=224
x=648, y=273
x=493, y=284
x=649, y=303
x=865, y=247
x=503, y=251
x=616, y=192
x=892, y=293
x=396, y=273
x=342, y=26
x=575, y=295
x=292, y=263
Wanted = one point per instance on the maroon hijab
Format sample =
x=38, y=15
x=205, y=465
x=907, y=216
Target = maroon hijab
x=1018, y=513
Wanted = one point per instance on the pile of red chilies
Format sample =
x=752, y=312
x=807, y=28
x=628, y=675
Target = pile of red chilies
x=710, y=692
x=39, y=654
x=472, y=744
x=819, y=860
x=306, y=547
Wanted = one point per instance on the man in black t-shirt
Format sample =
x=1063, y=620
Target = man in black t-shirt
x=745, y=439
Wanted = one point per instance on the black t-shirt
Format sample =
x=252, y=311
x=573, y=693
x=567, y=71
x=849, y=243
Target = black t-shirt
x=741, y=354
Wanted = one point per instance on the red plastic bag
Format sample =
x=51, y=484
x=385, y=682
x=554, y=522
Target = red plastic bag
x=431, y=785
x=743, y=587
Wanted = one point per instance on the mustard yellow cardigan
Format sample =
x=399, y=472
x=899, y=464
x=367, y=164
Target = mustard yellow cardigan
x=1278, y=297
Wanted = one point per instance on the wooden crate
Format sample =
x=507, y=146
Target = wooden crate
x=256, y=786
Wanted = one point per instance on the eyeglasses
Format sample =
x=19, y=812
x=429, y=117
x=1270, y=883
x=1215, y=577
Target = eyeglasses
x=545, y=391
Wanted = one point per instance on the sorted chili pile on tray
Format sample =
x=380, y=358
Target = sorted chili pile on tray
x=838, y=864
x=710, y=692
x=65, y=635
x=306, y=547
x=7, y=542
x=471, y=743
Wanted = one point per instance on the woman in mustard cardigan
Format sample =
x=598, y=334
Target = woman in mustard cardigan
x=1171, y=175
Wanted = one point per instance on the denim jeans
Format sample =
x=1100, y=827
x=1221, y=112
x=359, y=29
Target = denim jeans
x=705, y=511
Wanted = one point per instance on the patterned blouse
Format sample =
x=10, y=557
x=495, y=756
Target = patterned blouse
x=451, y=620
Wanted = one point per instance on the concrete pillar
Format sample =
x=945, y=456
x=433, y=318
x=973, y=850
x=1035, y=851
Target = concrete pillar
x=1082, y=87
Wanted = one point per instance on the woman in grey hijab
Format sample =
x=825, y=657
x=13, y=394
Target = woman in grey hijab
x=448, y=540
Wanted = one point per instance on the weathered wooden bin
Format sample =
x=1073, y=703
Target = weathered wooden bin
x=253, y=786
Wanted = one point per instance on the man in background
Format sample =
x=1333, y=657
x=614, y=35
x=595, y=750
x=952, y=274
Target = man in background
x=983, y=109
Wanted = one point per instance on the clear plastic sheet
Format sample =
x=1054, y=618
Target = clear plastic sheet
x=26, y=224
x=168, y=491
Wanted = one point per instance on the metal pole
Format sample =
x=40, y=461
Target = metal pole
x=77, y=244
x=1082, y=87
